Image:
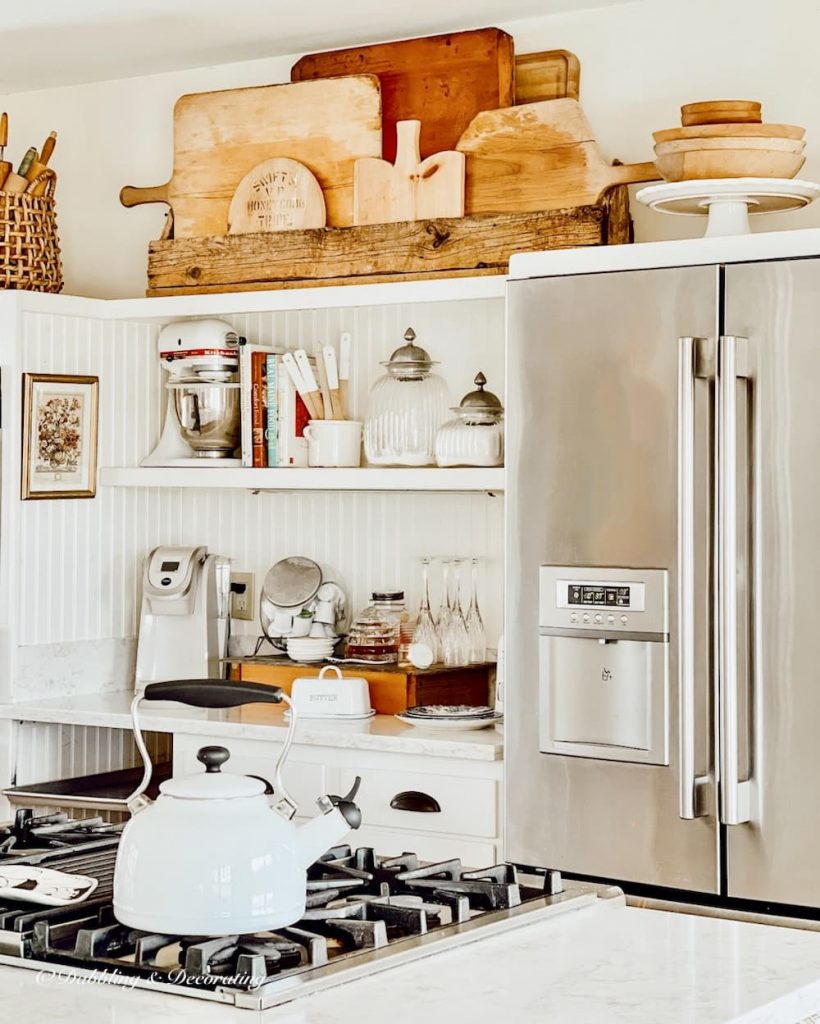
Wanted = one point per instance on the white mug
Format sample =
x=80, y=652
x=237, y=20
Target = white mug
x=301, y=625
x=334, y=442
x=282, y=623
x=325, y=612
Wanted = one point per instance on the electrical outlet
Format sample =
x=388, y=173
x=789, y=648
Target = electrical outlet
x=242, y=606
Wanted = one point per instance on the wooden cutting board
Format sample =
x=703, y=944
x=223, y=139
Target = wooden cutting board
x=410, y=189
x=538, y=156
x=277, y=195
x=549, y=75
x=443, y=81
x=220, y=136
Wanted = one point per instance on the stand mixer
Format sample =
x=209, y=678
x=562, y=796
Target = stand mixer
x=202, y=417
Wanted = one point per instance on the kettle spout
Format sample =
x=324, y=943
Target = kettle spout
x=338, y=816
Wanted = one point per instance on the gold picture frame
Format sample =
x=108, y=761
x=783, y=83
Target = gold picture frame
x=59, y=457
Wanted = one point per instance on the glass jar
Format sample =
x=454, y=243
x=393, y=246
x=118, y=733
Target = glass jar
x=405, y=410
x=475, y=436
x=376, y=634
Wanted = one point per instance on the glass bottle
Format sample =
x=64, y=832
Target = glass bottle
x=405, y=410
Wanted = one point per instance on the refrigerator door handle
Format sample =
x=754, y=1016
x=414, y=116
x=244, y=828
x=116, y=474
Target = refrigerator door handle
x=734, y=359
x=691, y=364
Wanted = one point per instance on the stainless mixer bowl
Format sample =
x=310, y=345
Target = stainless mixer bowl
x=208, y=416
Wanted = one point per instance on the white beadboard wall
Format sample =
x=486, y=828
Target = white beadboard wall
x=78, y=561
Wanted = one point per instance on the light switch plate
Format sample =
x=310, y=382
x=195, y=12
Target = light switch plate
x=242, y=605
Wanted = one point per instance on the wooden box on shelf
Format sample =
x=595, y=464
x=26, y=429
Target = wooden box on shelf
x=392, y=688
x=405, y=251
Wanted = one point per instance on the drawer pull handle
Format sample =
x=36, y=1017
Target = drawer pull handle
x=413, y=800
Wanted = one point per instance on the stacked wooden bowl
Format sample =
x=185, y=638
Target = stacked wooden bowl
x=727, y=139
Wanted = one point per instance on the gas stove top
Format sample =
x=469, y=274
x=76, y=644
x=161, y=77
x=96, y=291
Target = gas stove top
x=364, y=913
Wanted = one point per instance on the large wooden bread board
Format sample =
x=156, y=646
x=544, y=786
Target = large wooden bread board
x=538, y=156
x=219, y=136
x=442, y=81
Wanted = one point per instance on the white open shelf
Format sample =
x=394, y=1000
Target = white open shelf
x=365, y=479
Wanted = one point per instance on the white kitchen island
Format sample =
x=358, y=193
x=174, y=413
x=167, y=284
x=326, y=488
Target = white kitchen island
x=603, y=964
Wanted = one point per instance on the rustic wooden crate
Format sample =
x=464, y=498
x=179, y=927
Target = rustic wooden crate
x=392, y=688
x=411, y=250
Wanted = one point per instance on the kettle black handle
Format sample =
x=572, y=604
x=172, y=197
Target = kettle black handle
x=213, y=693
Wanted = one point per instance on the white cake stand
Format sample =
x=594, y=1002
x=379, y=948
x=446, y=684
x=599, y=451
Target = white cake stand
x=728, y=201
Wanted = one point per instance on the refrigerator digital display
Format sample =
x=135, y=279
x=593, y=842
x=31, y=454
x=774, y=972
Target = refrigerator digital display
x=586, y=594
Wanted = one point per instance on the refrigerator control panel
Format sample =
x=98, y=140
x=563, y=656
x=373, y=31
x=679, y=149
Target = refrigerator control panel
x=593, y=598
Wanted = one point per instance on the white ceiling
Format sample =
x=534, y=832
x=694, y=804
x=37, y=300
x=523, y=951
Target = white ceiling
x=60, y=42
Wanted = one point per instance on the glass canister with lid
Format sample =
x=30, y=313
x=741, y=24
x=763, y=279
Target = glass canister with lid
x=406, y=408
x=475, y=435
x=380, y=630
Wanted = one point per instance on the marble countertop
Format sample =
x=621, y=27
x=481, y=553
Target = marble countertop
x=603, y=964
x=382, y=733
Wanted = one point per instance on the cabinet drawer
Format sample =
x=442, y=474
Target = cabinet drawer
x=390, y=843
x=467, y=806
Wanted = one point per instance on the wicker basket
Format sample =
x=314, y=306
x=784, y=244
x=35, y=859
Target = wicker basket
x=29, y=246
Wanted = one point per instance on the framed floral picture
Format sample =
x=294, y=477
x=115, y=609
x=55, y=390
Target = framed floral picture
x=59, y=436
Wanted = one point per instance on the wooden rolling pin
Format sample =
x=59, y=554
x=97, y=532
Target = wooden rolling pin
x=5, y=165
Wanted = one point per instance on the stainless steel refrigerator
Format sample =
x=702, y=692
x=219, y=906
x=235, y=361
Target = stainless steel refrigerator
x=663, y=578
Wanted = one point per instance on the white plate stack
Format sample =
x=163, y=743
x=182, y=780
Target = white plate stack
x=308, y=648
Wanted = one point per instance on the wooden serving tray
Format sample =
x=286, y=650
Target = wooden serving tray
x=405, y=251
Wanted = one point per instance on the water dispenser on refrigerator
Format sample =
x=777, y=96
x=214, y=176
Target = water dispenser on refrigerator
x=604, y=663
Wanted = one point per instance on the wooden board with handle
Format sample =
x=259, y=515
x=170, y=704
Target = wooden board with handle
x=410, y=189
x=549, y=75
x=538, y=156
x=444, y=81
x=220, y=136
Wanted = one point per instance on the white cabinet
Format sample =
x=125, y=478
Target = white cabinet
x=437, y=807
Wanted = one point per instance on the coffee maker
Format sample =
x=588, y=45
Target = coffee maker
x=202, y=416
x=185, y=615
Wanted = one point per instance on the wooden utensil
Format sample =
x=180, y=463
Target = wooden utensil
x=442, y=80
x=539, y=156
x=344, y=371
x=715, y=144
x=720, y=112
x=549, y=75
x=48, y=148
x=220, y=136
x=295, y=374
x=410, y=189
x=729, y=163
x=39, y=163
x=5, y=165
x=311, y=386
x=332, y=375
x=277, y=195
x=730, y=131
x=324, y=387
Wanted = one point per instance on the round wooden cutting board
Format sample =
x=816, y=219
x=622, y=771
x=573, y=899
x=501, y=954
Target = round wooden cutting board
x=277, y=195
